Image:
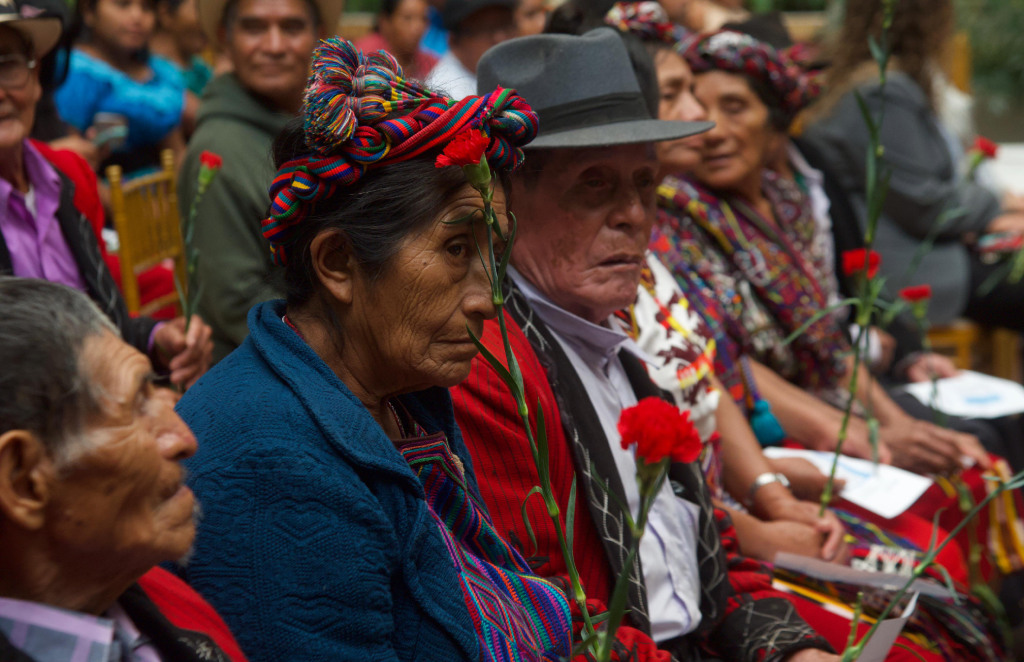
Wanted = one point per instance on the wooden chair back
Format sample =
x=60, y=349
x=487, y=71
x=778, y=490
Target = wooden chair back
x=145, y=212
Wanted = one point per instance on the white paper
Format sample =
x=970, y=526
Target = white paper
x=877, y=648
x=882, y=489
x=972, y=395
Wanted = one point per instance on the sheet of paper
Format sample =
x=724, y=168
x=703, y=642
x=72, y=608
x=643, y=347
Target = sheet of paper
x=882, y=489
x=972, y=395
x=877, y=648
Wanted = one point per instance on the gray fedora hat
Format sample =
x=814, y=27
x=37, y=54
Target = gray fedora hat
x=582, y=87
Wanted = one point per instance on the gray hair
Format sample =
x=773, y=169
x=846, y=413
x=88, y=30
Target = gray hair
x=43, y=328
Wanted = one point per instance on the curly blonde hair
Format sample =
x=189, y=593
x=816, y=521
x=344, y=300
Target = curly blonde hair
x=921, y=31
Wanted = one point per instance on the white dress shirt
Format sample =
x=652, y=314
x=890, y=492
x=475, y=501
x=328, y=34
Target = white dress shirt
x=668, y=548
x=451, y=77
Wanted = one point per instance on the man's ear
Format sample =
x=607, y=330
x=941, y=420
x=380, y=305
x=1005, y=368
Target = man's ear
x=26, y=476
x=334, y=264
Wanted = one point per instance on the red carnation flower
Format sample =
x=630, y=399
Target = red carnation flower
x=659, y=430
x=210, y=160
x=465, y=149
x=916, y=293
x=860, y=259
x=986, y=147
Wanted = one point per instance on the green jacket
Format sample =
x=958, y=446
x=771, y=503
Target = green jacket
x=235, y=271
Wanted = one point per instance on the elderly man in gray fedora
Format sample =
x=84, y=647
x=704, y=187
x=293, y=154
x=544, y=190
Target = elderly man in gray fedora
x=585, y=204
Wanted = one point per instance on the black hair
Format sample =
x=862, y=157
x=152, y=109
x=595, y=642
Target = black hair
x=374, y=215
x=777, y=117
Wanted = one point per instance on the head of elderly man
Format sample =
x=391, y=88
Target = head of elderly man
x=585, y=198
x=91, y=492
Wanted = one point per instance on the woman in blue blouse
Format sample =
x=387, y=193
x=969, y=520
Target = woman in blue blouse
x=341, y=515
x=113, y=78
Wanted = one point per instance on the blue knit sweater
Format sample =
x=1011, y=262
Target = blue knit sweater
x=316, y=542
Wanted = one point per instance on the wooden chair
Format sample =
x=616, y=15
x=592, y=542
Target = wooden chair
x=992, y=350
x=145, y=212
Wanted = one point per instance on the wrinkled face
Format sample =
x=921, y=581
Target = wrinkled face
x=412, y=321
x=530, y=16
x=121, y=25
x=17, y=103
x=677, y=102
x=480, y=31
x=183, y=24
x=584, y=227
x=737, y=149
x=404, y=29
x=270, y=43
x=122, y=502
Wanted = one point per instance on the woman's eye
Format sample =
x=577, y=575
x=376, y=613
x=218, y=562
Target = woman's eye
x=457, y=250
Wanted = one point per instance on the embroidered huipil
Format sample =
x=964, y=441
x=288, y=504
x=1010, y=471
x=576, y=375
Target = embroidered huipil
x=668, y=549
x=517, y=615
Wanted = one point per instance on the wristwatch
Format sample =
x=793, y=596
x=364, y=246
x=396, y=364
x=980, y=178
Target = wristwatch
x=767, y=478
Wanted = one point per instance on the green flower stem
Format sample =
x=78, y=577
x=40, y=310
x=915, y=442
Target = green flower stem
x=650, y=484
x=852, y=653
x=514, y=380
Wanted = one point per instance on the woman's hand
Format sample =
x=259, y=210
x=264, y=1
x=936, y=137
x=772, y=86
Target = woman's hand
x=796, y=538
x=1010, y=221
x=925, y=448
x=805, y=480
x=187, y=357
x=829, y=533
x=929, y=364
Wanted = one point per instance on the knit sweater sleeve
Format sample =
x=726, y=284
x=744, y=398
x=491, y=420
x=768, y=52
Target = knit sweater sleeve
x=298, y=559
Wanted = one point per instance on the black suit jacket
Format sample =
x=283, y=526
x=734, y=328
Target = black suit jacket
x=99, y=284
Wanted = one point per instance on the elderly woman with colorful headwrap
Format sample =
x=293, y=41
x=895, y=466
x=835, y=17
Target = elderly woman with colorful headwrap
x=342, y=518
x=740, y=240
x=665, y=320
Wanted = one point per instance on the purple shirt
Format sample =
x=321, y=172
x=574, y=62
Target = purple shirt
x=30, y=228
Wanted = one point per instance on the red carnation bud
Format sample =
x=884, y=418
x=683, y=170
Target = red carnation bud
x=916, y=293
x=986, y=147
x=467, y=148
x=659, y=430
x=859, y=260
x=210, y=160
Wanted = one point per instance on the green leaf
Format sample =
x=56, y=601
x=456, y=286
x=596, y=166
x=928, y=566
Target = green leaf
x=570, y=514
x=526, y=519
x=496, y=364
x=948, y=580
x=817, y=316
x=909, y=650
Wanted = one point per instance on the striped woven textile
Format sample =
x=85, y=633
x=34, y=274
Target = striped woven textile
x=360, y=112
x=518, y=616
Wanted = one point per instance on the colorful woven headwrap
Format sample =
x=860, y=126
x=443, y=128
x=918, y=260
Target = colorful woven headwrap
x=739, y=53
x=361, y=113
x=646, y=20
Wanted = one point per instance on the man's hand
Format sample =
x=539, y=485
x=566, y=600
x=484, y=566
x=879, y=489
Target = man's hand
x=929, y=364
x=926, y=448
x=811, y=655
x=805, y=480
x=187, y=358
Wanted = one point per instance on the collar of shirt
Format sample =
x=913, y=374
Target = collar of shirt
x=51, y=633
x=41, y=176
x=595, y=343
